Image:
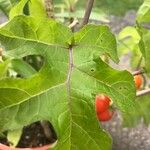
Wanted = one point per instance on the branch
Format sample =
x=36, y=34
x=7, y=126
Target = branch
x=73, y=24
x=138, y=72
x=49, y=8
x=1, y=50
x=143, y=92
x=87, y=12
x=139, y=63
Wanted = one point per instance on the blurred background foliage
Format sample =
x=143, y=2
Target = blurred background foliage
x=115, y=7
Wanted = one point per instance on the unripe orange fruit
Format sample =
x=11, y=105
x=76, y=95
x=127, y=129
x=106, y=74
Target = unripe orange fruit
x=138, y=79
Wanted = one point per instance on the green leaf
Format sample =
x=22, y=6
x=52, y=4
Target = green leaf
x=144, y=47
x=37, y=9
x=6, y=5
x=14, y=136
x=33, y=8
x=129, y=40
x=23, y=68
x=143, y=18
x=18, y=9
x=103, y=41
x=3, y=68
x=141, y=113
x=143, y=14
x=64, y=90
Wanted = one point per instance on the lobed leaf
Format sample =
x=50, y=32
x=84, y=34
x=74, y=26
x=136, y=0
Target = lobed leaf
x=64, y=90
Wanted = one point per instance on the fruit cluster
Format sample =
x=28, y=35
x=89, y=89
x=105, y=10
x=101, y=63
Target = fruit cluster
x=103, y=102
x=102, y=108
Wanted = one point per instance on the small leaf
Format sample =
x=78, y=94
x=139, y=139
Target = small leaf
x=3, y=68
x=33, y=8
x=143, y=14
x=18, y=9
x=23, y=68
x=14, y=136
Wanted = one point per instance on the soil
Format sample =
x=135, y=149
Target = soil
x=33, y=136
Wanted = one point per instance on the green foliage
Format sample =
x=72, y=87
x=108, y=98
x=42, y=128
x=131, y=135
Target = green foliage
x=22, y=68
x=116, y=7
x=142, y=102
x=95, y=15
x=18, y=9
x=3, y=69
x=28, y=7
x=64, y=89
x=144, y=31
x=143, y=14
x=14, y=136
x=6, y=5
x=141, y=113
x=119, y=7
x=128, y=42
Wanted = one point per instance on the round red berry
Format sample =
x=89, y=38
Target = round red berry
x=105, y=116
x=102, y=103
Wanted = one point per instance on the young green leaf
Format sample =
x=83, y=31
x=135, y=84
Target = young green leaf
x=28, y=7
x=143, y=14
x=3, y=68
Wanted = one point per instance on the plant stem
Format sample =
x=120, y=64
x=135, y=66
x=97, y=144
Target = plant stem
x=73, y=24
x=143, y=92
x=1, y=50
x=87, y=12
x=71, y=10
x=138, y=72
x=49, y=8
x=139, y=63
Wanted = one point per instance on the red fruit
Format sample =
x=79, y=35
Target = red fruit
x=102, y=103
x=138, y=79
x=105, y=116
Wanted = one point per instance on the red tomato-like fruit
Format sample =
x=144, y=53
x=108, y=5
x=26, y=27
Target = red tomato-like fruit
x=102, y=103
x=138, y=79
x=105, y=116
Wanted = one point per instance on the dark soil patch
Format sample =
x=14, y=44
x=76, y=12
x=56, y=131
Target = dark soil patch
x=33, y=136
